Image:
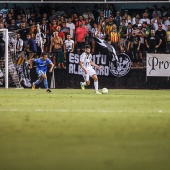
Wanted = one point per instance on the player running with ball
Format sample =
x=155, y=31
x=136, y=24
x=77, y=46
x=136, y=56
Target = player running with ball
x=86, y=64
x=41, y=69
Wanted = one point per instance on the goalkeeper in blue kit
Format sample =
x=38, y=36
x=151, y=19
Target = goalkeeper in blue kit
x=41, y=69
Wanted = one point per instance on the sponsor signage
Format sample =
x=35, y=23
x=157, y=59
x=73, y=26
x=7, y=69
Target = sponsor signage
x=158, y=65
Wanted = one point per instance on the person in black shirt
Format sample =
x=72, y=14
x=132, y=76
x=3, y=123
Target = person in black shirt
x=161, y=33
x=134, y=46
x=153, y=42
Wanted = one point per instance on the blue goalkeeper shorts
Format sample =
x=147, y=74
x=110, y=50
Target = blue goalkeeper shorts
x=40, y=73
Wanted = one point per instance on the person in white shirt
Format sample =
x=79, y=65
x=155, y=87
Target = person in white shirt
x=71, y=25
x=145, y=19
x=86, y=64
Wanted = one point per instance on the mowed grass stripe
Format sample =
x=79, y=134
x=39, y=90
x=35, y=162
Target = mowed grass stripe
x=73, y=129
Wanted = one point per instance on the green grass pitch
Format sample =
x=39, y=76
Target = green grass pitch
x=71, y=129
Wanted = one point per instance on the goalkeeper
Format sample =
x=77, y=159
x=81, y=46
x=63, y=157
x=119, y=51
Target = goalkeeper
x=41, y=69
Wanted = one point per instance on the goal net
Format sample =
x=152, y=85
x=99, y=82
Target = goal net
x=8, y=71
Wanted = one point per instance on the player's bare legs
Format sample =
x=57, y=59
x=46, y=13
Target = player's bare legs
x=95, y=78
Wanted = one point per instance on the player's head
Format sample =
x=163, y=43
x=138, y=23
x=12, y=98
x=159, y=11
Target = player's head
x=87, y=48
x=44, y=56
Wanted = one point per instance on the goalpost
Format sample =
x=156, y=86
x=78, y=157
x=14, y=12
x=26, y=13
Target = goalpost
x=5, y=31
x=8, y=53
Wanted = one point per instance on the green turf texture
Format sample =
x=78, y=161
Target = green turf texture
x=71, y=129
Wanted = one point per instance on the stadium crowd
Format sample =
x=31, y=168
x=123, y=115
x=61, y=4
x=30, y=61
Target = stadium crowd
x=51, y=29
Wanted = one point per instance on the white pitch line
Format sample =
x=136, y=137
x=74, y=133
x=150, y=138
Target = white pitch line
x=70, y=110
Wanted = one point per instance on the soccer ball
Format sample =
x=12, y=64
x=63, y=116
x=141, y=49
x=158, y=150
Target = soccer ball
x=104, y=91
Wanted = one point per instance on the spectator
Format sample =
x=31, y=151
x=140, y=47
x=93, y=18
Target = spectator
x=23, y=31
x=81, y=33
x=19, y=44
x=71, y=25
x=166, y=22
x=161, y=33
x=56, y=47
x=12, y=26
x=107, y=11
x=155, y=10
x=93, y=31
x=114, y=37
x=168, y=39
x=45, y=30
x=118, y=18
x=87, y=12
x=68, y=48
x=122, y=29
x=134, y=46
x=80, y=20
x=108, y=26
x=31, y=48
x=100, y=17
x=152, y=42
x=53, y=26
x=65, y=30
x=145, y=18
x=88, y=29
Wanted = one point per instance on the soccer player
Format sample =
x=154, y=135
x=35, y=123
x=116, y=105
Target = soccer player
x=86, y=64
x=41, y=69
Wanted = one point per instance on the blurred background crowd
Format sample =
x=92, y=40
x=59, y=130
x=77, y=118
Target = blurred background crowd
x=50, y=28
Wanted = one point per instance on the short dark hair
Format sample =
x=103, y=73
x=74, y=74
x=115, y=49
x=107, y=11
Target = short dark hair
x=87, y=46
x=43, y=54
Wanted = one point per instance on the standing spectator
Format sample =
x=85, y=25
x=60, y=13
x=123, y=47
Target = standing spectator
x=23, y=32
x=12, y=26
x=153, y=42
x=161, y=33
x=107, y=11
x=134, y=46
x=145, y=19
x=166, y=22
x=87, y=12
x=136, y=20
x=65, y=30
x=56, y=48
x=100, y=33
x=168, y=39
x=88, y=29
x=155, y=7
x=155, y=18
x=53, y=16
x=71, y=25
x=31, y=48
x=156, y=24
x=68, y=48
x=101, y=15
x=19, y=44
x=45, y=30
x=18, y=20
x=53, y=26
x=80, y=20
x=93, y=31
x=114, y=37
x=81, y=33
x=118, y=18
x=128, y=32
x=108, y=26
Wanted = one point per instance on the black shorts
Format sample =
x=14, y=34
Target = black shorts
x=81, y=45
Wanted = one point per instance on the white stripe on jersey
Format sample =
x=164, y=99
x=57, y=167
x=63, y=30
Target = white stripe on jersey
x=86, y=59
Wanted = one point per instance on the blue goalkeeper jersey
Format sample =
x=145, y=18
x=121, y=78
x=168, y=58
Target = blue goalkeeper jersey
x=41, y=64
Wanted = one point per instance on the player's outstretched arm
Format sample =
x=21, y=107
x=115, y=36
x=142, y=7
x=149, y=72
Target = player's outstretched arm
x=51, y=67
